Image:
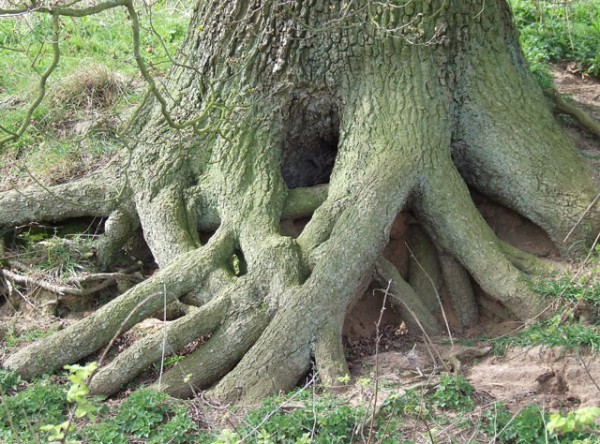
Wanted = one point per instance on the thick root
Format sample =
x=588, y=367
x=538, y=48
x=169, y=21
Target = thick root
x=188, y=272
x=460, y=291
x=330, y=360
x=118, y=229
x=415, y=314
x=424, y=273
x=144, y=352
x=449, y=214
x=218, y=356
x=87, y=197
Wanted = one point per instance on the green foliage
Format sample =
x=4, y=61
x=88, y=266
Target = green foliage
x=55, y=255
x=557, y=31
x=52, y=148
x=410, y=403
x=146, y=415
x=454, y=393
x=9, y=380
x=78, y=391
x=571, y=327
x=533, y=425
x=525, y=427
x=40, y=413
x=13, y=339
x=325, y=418
x=23, y=414
x=583, y=420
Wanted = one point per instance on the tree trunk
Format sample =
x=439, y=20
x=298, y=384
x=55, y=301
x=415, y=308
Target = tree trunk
x=395, y=107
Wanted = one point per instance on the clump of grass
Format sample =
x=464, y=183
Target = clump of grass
x=91, y=87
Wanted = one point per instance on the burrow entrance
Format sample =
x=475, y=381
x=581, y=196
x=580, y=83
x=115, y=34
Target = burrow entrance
x=310, y=147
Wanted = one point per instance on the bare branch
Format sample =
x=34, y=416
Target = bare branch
x=63, y=11
x=42, y=85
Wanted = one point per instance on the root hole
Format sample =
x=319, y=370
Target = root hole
x=238, y=263
x=311, y=140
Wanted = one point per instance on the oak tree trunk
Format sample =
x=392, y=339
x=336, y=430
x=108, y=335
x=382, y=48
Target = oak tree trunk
x=347, y=112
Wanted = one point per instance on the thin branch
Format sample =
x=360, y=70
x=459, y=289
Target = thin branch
x=587, y=210
x=63, y=11
x=122, y=326
x=377, y=341
x=164, y=339
x=42, y=85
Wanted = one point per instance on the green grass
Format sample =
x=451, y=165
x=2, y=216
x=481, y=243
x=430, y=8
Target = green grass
x=446, y=412
x=555, y=31
x=146, y=416
x=575, y=323
x=52, y=149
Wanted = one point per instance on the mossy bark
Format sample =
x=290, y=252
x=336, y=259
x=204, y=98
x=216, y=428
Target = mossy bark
x=396, y=107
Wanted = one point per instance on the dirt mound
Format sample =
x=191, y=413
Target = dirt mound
x=551, y=377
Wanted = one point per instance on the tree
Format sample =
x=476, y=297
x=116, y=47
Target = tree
x=348, y=112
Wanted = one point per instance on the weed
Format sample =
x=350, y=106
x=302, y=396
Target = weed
x=22, y=414
x=9, y=380
x=574, y=326
x=533, y=425
x=558, y=31
x=14, y=339
x=582, y=420
x=40, y=413
x=56, y=255
x=325, y=419
x=454, y=393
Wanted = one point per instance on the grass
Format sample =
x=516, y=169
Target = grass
x=555, y=31
x=93, y=90
x=448, y=411
x=575, y=323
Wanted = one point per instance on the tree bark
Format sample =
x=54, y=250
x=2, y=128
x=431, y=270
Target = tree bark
x=394, y=107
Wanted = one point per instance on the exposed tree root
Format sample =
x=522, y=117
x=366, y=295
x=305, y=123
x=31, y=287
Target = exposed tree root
x=405, y=299
x=94, y=196
x=148, y=350
x=590, y=124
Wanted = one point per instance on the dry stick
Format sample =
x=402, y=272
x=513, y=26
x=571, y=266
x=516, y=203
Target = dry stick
x=120, y=330
x=377, y=340
x=314, y=412
x=587, y=210
x=111, y=278
x=437, y=295
x=58, y=289
x=429, y=345
x=164, y=341
x=587, y=370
